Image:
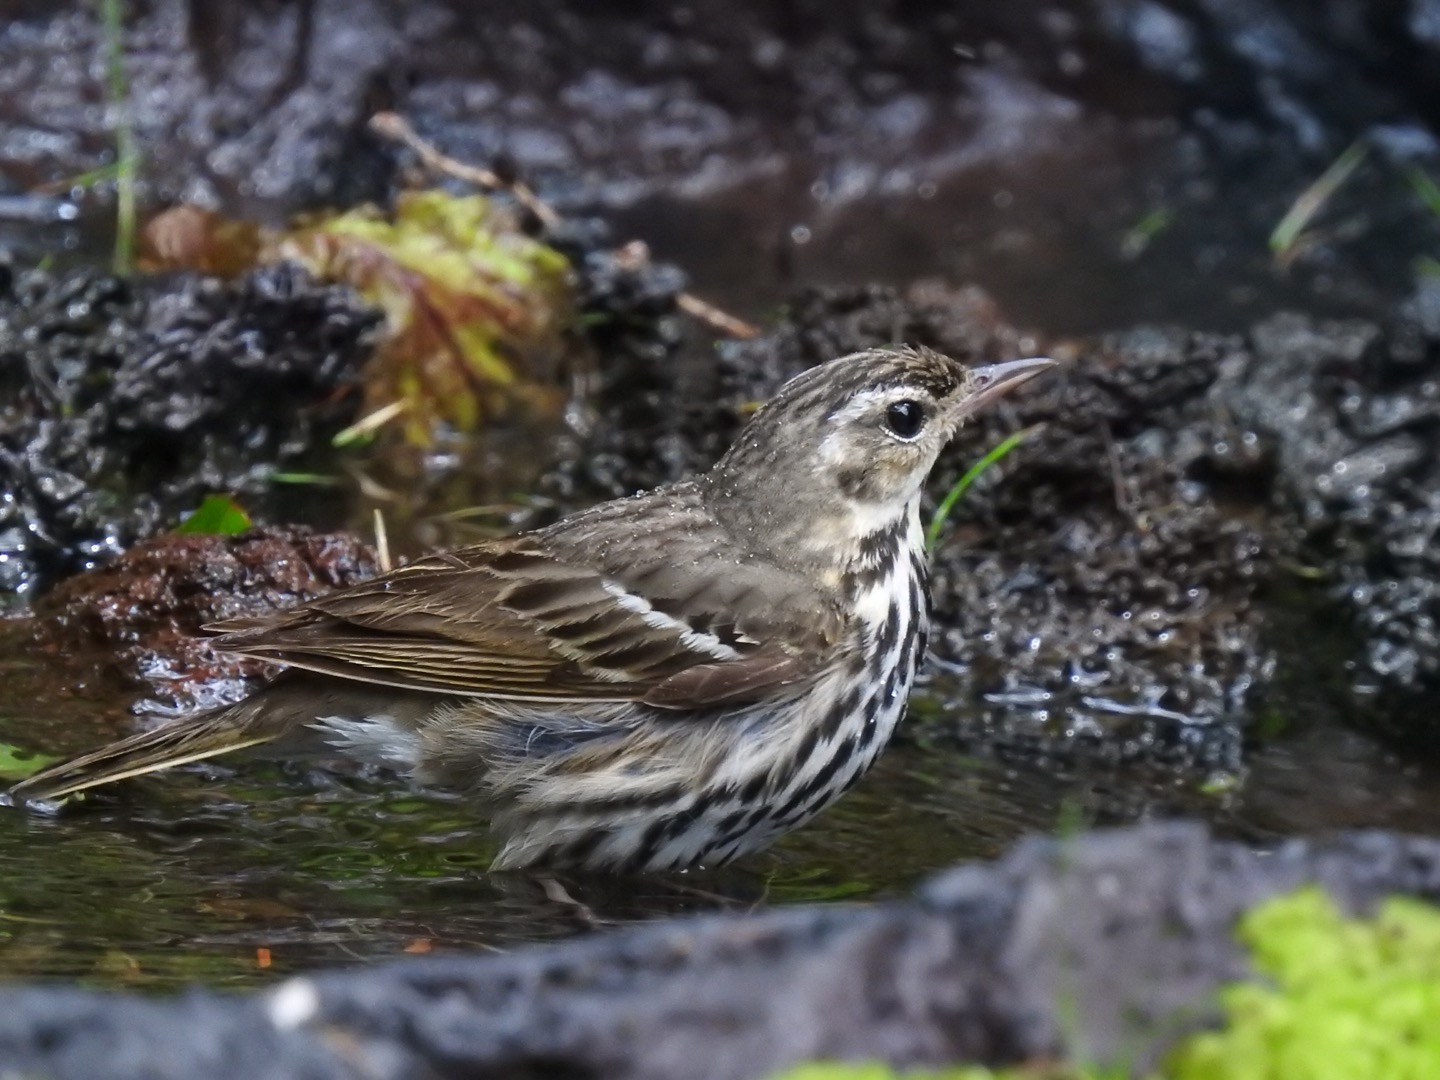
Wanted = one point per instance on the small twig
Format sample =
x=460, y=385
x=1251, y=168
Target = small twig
x=636, y=255
x=382, y=543
x=1123, y=501
x=712, y=316
x=395, y=127
x=368, y=425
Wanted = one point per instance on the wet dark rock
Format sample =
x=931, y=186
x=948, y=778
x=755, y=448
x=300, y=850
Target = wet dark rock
x=262, y=105
x=122, y=404
x=268, y=99
x=141, y=615
x=1103, y=948
x=1352, y=413
x=1419, y=323
x=1096, y=588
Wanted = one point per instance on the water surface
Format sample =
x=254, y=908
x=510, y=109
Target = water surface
x=238, y=875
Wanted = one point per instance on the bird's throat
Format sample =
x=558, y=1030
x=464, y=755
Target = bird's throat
x=884, y=566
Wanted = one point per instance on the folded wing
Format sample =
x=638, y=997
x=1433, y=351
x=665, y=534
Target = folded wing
x=525, y=618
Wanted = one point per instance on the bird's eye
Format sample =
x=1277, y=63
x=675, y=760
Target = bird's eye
x=904, y=419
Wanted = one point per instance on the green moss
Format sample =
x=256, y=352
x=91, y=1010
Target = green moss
x=1347, y=998
x=1337, y=999
x=16, y=764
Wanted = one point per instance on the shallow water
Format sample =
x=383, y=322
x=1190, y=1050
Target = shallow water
x=235, y=875
x=239, y=875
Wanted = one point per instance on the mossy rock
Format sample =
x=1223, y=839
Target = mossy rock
x=1334, y=999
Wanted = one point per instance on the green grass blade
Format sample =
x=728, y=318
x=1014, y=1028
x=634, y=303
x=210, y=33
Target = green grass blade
x=957, y=492
x=1287, y=234
x=127, y=154
x=1425, y=187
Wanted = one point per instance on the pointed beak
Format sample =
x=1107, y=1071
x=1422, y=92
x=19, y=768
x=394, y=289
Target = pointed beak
x=987, y=384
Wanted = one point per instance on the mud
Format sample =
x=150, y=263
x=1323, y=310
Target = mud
x=1105, y=590
x=1097, y=592
x=1098, y=588
x=122, y=404
x=140, y=616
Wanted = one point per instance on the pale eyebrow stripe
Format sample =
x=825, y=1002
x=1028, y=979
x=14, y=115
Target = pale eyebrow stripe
x=862, y=402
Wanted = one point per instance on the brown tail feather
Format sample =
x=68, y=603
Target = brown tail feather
x=281, y=712
x=179, y=743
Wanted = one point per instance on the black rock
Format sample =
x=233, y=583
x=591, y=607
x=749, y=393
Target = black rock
x=123, y=404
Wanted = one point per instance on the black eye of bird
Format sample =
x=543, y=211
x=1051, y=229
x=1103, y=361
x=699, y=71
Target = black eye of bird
x=905, y=418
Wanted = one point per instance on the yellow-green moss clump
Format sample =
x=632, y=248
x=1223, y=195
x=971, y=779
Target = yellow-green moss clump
x=1350, y=998
x=1336, y=999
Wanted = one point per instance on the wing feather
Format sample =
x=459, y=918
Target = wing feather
x=554, y=617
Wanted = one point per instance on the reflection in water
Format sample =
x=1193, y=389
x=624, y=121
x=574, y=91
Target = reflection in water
x=238, y=875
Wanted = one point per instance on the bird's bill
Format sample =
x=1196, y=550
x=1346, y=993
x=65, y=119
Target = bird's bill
x=996, y=380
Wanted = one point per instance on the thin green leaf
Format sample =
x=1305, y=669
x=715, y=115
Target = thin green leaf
x=1304, y=208
x=101, y=174
x=306, y=479
x=1139, y=236
x=956, y=493
x=127, y=152
x=1426, y=188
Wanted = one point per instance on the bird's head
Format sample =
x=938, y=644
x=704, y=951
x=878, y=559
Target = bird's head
x=841, y=453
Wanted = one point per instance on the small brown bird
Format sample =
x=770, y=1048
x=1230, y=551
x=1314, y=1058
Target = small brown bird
x=670, y=680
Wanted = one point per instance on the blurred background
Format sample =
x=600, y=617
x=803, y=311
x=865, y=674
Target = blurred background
x=1090, y=162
